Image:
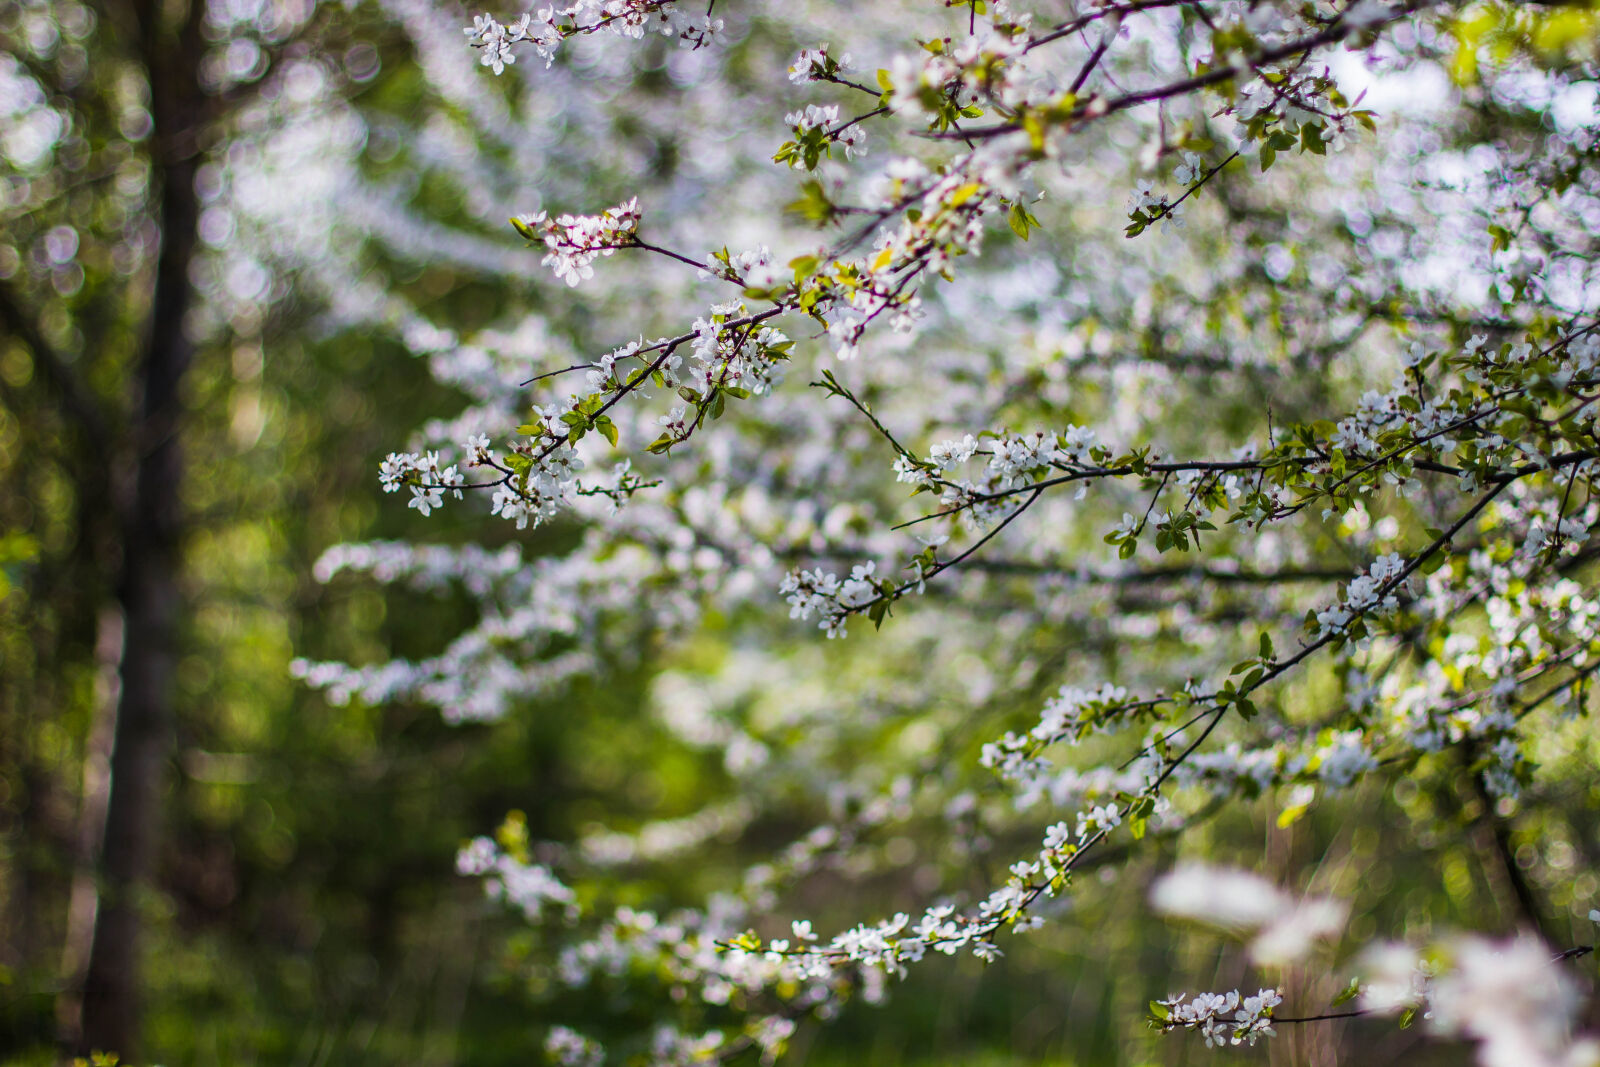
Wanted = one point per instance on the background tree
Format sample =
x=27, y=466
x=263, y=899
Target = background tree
x=111, y=357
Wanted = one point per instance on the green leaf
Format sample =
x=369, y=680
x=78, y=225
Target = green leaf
x=1018, y=218
x=607, y=428
x=813, y=204
x=1348, y=993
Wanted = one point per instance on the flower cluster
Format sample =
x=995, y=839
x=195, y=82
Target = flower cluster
x=1145, y=207
x=1282, y=928
x=574, y=241
x=496, y=39
x=1224, y=1018
x=948, y=79
x=569, y=1048
x=816, y=64
x=529, y=887
x=815, y=128
x=1370, y=593
x=822, y=593
x=737, y=360
x=423, y=475
x=1013, y=460
x=1074, y=712
x=1507, y=996
x=751, y=269
x=553, y=24
x=542, y=480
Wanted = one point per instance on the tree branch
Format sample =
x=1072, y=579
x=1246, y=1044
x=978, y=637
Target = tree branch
x=76, y=399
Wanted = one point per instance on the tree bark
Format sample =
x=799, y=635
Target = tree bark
x=148, y=587
x=83, y=899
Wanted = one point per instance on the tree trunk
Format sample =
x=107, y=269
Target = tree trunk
x=151, y=540
x=83, y=900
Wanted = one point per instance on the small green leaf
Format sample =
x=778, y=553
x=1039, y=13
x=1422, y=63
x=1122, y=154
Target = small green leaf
x=813, y=204
x=1348, y=993
x=1018, y=218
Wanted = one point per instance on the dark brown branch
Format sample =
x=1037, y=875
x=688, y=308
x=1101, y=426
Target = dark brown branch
x=1096, y=108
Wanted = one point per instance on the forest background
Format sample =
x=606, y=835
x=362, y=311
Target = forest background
x=233, y=240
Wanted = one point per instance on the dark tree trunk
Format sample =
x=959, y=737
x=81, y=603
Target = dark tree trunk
x=148, y=586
